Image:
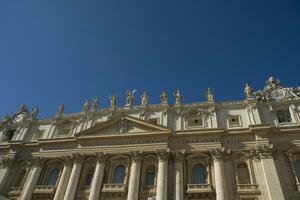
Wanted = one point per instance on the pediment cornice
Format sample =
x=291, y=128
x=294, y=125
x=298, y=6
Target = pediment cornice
x=120, y=121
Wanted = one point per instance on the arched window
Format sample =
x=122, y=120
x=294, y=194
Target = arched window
x=53, y=177
x=150, y=175
x=119, y=174
x=199, y=174
x=297, y=169
x=89, y=176
x=243, y=174
x=20, y=178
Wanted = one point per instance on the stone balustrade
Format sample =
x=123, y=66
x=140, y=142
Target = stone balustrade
x=247, y=188
x=199, y=188
x=114, y=187
x=45, y=189
x=15, y=190
x=84, y=189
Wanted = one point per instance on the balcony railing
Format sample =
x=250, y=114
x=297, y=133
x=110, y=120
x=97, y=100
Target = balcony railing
x=199, y=188
x=45, y=189
x=84, y=189
x=15, y=190
x=149, y=188
x=247, y=188
x=114, y=187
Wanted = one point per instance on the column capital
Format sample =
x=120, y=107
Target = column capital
x=77, y=158
x=67, y=160
x=6, y=162
x=219, y=153
x=37, y=161
x=163, y=154
x=101, y=157
x=178, y=155
x=136, y=155
x=262, y=152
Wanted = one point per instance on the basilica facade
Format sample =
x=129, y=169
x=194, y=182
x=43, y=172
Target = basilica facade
x=236, y=150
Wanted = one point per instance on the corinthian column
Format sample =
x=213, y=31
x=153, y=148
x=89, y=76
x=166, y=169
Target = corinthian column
x=162, y=175
x=74, y=177
x=5, y=169
x=220, y=181
x=63, y=180
x=134, y=180
x=32, y=179
x=178, y=186
x=98, y=177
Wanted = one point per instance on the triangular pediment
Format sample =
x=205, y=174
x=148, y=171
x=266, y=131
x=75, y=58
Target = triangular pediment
x=123, y=124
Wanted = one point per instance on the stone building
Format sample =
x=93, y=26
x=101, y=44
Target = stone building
x=238, y=150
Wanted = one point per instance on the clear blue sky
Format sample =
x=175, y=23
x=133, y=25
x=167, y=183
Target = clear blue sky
x=66, y=51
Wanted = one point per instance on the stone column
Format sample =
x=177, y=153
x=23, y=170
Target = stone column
x=74, y=177
x=98, y=177
x=32, y=179
x=134, y=180
x=5, y=169
x=269, y=172
x=219, y=172
x=63, y=180
x=162, y=175
x=178, y=173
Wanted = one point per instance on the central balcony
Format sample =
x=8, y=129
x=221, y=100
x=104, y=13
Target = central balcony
x=199, y=188
x=114, y=190
x=114, y=187
x=45, y=189
x=149, y=190
x=84, y=189
x=247, y=188
x=15, y=191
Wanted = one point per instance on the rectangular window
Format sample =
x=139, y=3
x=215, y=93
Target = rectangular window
x=195, y=122
x=234, y=121
x=153, y=120
x=283, y=116
x=38, y=134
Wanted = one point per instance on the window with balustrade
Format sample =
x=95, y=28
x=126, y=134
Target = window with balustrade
x=53, y=177
x=89, y=176
x=283, y=116
x=199, y=174
x=297, y=169
x=20, y=178
x=150, y=175
x=243, y=175
x=119, y=174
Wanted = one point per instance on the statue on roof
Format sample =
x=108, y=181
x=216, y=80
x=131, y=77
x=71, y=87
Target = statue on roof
x=113, y=101
x=60, y=110
x=144, y=99
x=34, y=112
x=95, y=105
x=272, y=82
x=130, y=97
x=248, y=91
x=86, y=106
x=178, y=98
x=164, y=98
x=210, y=95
